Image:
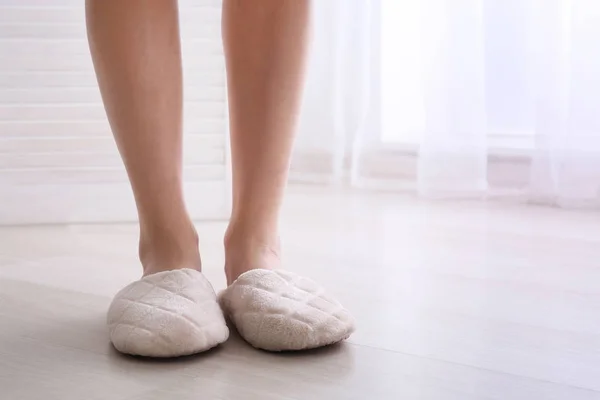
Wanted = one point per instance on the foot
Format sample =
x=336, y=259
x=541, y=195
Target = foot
x=277, y=310
x=173, y=310
x=167, y=314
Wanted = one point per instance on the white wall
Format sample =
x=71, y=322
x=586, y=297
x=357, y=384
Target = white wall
x=58, y=162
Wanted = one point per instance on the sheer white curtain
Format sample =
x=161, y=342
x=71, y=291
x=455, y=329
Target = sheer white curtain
x=455, y=98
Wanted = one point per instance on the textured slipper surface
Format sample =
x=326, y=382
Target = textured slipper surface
x=168, y=314
x=282, y=311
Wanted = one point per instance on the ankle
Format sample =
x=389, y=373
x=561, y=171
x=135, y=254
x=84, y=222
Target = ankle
x=163, y=249
x=247, y=249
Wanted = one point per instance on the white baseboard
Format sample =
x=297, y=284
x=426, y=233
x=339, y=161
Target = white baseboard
x=110, y=202
x=395, y=167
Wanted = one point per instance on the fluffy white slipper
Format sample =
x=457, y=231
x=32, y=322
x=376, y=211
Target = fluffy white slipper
x=168, y=314
x=281, y=311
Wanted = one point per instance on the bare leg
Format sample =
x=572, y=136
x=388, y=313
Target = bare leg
x=265, y=49
x=265, y=46
x=136, y=52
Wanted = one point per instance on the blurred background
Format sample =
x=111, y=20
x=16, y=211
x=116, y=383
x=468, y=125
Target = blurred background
x=482, y=99
x=445, y=185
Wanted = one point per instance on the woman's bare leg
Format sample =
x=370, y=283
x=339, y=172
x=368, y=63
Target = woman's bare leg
x=265, y=47
x=136, y=51
x=265, y=51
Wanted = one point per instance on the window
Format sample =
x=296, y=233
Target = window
x=509, y=101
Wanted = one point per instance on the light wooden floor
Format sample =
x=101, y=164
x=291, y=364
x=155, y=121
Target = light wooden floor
x=453, y=301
